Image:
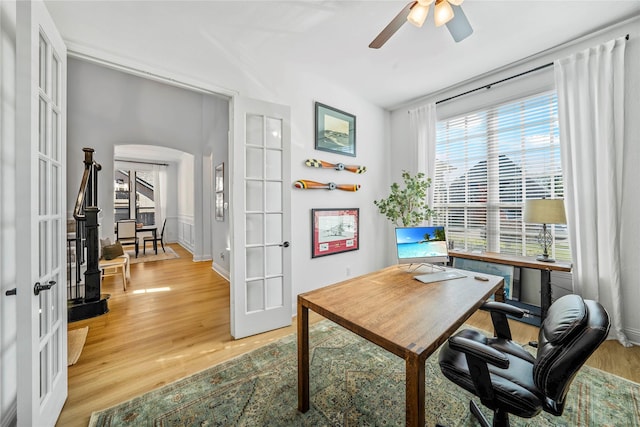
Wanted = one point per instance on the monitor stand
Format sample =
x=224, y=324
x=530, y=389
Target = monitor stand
x=431, y=268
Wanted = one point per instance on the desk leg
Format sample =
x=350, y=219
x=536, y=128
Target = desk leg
x=303, y=358
x=545, y=293
x=415, y=376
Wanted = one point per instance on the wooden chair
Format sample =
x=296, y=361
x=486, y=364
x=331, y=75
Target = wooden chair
x=155, y=239
x=126, y=233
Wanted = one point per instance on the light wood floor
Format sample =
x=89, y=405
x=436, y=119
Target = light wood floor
x=173, y=321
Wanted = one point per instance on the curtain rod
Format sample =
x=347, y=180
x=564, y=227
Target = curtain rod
x=488, y=86
x=141, y=161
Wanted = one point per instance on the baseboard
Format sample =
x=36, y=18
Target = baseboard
x=221, y=271
x=633, y=335
x=10, y=418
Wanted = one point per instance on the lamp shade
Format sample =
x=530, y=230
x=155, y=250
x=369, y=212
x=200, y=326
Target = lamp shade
x=544, y=211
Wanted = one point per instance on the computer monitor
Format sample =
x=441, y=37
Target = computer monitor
x=421, y=245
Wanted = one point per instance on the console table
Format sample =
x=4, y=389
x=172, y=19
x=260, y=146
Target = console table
x=523, y=262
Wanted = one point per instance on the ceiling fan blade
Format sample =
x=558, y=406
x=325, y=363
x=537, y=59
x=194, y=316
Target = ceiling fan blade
x=459, y=26
x=392, y=27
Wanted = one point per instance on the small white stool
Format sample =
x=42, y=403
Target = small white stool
x=113, y=267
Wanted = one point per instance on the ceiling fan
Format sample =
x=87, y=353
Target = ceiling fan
x=447, y=12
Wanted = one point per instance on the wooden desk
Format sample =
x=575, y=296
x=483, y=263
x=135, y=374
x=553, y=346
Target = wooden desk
x=390, y=308
x=526, y=262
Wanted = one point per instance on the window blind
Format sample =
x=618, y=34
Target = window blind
x=487, y=163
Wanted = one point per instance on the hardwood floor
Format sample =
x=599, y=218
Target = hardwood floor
x=173, y=321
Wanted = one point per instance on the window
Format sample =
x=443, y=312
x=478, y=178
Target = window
x=144, y=200
x=487, y=163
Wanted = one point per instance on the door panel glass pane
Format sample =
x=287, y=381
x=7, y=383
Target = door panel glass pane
x=254, y=229
x=274, y=133
x=42, y=73
x=55, y=83
x=42, y=243
x=55, y=239
x=274, y=229
x=274, y=164
x=274, y=197
x=55, y=188
x=56, y=310
x=42, y=190
x=274, y=292
x=55, y=354
x=43, y=313
x=55, y=138
x=274, y=260
x=44, y=371
x=255, y=295
x=254, y=163
x=255, y=262
x=255, y=130
x=253, y=194
x=42, y=126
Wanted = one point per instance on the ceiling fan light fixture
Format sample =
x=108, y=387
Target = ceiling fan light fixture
x=456, y=2
x=443, y=12
x=418, y=14
x=425, y=3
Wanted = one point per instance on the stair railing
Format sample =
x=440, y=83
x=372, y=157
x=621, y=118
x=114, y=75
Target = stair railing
x=86, y=216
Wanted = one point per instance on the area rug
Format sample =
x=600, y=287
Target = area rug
x=353, y=382
x=75, y=344
x=151, y=256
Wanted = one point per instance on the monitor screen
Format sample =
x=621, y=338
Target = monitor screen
x=421, y=245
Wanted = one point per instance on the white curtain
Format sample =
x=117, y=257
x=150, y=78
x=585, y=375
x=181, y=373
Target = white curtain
x=160, y=194
x=422, y=125
x=590, y=87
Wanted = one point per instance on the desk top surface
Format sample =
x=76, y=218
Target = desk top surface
x=518, y=261
x=397, y=312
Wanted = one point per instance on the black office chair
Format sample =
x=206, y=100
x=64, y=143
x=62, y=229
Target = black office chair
x=506, y=378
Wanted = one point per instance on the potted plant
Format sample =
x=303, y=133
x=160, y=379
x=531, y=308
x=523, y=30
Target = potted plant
x=407, y=206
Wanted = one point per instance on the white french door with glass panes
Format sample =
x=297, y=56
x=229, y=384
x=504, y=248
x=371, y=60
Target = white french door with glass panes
x=40, y=222
x=261, y=291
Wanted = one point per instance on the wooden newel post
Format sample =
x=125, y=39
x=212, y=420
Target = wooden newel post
x=92, y=274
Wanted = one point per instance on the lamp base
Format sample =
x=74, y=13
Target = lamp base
x=544, y=258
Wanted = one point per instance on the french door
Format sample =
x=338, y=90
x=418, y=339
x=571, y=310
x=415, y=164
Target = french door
x=260, y=217
x=40, y=216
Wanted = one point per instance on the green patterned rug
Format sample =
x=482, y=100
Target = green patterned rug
x=353, y=382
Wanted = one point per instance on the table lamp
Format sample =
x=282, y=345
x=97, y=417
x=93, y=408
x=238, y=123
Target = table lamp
x=544, y=211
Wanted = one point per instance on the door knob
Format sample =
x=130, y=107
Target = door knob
x=10, y=292
x=284, y=244
x=38, y=287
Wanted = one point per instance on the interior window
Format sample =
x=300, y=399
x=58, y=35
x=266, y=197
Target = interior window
x=121, y=195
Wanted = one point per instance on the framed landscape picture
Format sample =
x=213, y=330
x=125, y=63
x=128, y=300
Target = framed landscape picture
x=335, y=130
x=334, y=231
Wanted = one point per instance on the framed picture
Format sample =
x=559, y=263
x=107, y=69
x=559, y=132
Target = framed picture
x=505, y=271
x=219, y=187
x=335, y=130
x=334, y=231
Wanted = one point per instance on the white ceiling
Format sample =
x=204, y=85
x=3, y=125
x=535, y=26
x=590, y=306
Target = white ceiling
x=223, y=42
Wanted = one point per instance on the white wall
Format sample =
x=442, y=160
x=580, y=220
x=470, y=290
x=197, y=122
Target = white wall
x=8, y=333
x=214, y=120
x=630, y=226
x=186, y=210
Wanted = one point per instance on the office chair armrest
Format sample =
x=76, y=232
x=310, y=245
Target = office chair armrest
x=502, y=307
x=480, y=351
x=499, y=312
